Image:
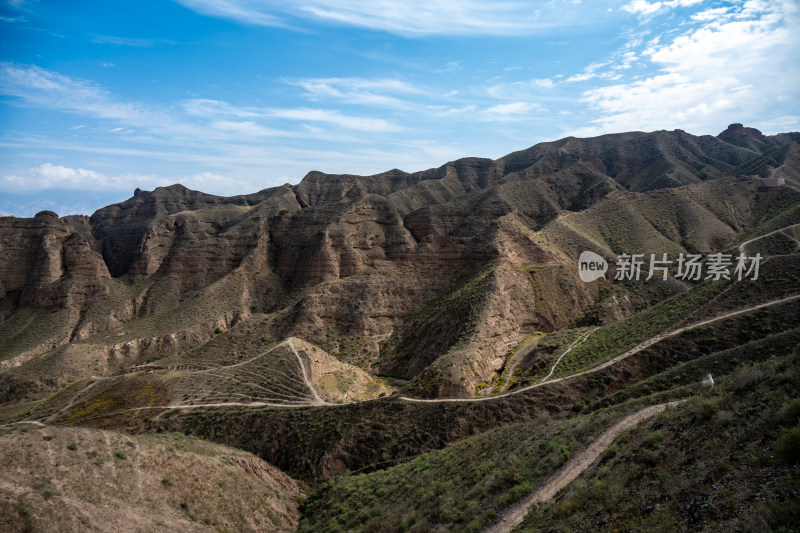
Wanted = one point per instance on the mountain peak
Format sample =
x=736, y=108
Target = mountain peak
x=737, y=131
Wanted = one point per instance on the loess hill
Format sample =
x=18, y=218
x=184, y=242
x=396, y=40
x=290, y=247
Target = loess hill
x=424, y=335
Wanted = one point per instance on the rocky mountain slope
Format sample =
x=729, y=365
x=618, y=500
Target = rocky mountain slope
x=430, y=277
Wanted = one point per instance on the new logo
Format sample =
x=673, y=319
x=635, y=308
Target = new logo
x=591, y=266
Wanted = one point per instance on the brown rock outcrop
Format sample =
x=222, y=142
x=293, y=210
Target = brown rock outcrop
x=351, y=263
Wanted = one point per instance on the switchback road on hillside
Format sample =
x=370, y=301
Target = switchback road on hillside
x=636, y=349
x=319, y=402
x=779, y=230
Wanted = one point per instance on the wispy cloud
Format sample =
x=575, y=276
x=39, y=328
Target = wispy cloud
x=211, y=133
x=386, y=92
x=452, y=66
x=408, y=18
x=124, y=41
x=520, y=89
x=43, y=88
x=19, y=3
x=203, y=119
x=513, y=111
x=243, y=11
x=215, y=108
x=588, y=73
x=336, y=118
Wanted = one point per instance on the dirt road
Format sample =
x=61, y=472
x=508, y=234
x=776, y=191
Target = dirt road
x=514, y=515
x=780, y=230
x=636, y=349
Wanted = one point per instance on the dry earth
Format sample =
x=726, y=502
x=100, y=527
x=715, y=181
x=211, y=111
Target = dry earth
x=73, y=479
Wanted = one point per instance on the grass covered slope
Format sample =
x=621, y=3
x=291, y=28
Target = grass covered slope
x=459, y=488
x=727, y=456
x=73, y=479
x=729, y=460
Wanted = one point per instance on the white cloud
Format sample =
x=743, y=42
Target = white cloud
x=643, y=7
x=719, y=72
x=711, y=14
x=335, y=118
x=243, y=130
x=49, y=176
x=513, y=111
x=204, y=107
x=583, y=76
x=211, y=135
x=589, y=72
x=20, y=4
x=519, y=90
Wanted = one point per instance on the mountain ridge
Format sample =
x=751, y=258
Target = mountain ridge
x=344, y=261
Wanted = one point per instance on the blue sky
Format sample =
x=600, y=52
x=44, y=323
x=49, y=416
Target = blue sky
x=233, y=96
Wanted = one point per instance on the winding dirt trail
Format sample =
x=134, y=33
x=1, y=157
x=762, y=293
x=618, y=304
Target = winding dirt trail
x=317, y=401
x=636, y=349
x=575, y=343
x=514, y=515
x=309, y=384
x=779, y=230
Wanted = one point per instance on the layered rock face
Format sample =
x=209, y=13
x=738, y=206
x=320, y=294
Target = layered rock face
x=49, y=261
x=376, y=270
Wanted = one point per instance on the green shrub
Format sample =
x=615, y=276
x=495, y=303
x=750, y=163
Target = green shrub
x=120, y=454
x=747, y=378
x=610, y=452
x=653, y=439
x=789, y=415
x=707, y=408
x=72, y=446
